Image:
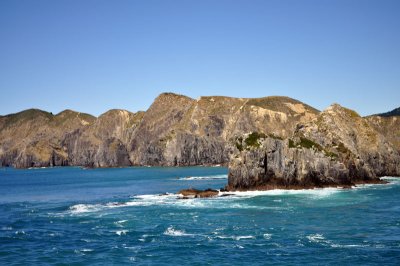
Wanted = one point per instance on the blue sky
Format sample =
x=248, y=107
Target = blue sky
x=92, y=56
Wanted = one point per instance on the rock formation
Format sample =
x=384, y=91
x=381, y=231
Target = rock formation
x=338, y=147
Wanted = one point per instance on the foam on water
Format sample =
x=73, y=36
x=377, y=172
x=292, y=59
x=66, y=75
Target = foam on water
x=211, y=177
x=121, y=232
x=237, y=238
x=267, y=236
x=229, y=200
x=316, y=192
x=171, y=231
x=226, y=199
x=83, y=208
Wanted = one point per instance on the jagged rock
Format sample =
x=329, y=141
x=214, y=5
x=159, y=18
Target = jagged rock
x=336, y=148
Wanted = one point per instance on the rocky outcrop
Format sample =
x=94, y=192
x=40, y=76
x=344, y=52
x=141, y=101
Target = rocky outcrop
x=338, y=147
x=195, y=193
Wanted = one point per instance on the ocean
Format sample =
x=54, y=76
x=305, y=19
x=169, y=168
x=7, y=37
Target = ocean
x=73, y=216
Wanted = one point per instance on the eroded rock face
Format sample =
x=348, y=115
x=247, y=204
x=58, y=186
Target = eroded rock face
x=336, y=148
x=180, y=131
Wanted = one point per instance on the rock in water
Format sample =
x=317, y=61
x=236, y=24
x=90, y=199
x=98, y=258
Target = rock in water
x=337, y=148
x=195, y=193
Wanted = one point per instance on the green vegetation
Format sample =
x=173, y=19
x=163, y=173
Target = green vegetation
x=271, y=135
x=351, y=113
x=309, y=144
x=395, y=112
x=331, y=154
x=252, y=139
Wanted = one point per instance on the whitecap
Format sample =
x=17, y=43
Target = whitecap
x=211, y=177
x=121, y=232
x=120, y=223
x=171, y=231
x=236, y=237
x=316, y=238
x=267, y=236
x=83, y=208
x=348, y=246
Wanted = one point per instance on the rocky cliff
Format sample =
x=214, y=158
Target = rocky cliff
x=338, y=147
x=293, y=144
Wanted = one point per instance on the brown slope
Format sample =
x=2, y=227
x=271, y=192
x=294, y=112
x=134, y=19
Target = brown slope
x=33, y=137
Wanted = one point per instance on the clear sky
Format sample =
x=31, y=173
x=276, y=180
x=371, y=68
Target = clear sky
x=92, y=56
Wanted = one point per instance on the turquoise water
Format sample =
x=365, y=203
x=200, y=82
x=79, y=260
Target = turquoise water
x=122, y=216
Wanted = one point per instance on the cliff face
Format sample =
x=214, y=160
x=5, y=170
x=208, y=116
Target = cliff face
x=177, y=130
x=32, y=138
x=105, y=142
x=338, y=147
x=297, y=142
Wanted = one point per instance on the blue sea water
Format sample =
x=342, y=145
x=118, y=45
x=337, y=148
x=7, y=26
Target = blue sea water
x=71, y=216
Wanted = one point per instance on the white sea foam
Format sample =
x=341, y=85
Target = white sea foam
x=211, y=177
x=229, y=200
x=267, y=236
x=171, y=231
x=83, y=208
x=348, y=246
x=316, y=192
x=391, y=180
x=316, y=238
x=121, y=232
x=236, y=237
x=21, y=232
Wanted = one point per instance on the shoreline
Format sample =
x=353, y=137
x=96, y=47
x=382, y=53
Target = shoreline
x=223, y=192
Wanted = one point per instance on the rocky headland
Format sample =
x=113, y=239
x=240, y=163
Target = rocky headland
x=270, y=142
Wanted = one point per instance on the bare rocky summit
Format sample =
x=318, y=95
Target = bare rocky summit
x=267, y=142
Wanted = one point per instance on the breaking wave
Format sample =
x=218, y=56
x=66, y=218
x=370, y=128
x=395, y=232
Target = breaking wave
x=171, y=231
x=226, y=200
x=211, y=177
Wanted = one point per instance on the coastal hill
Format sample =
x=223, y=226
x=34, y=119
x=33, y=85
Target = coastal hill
x=175, y=130
x=272, y=140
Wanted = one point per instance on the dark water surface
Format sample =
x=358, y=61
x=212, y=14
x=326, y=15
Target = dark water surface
x=117, y=216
